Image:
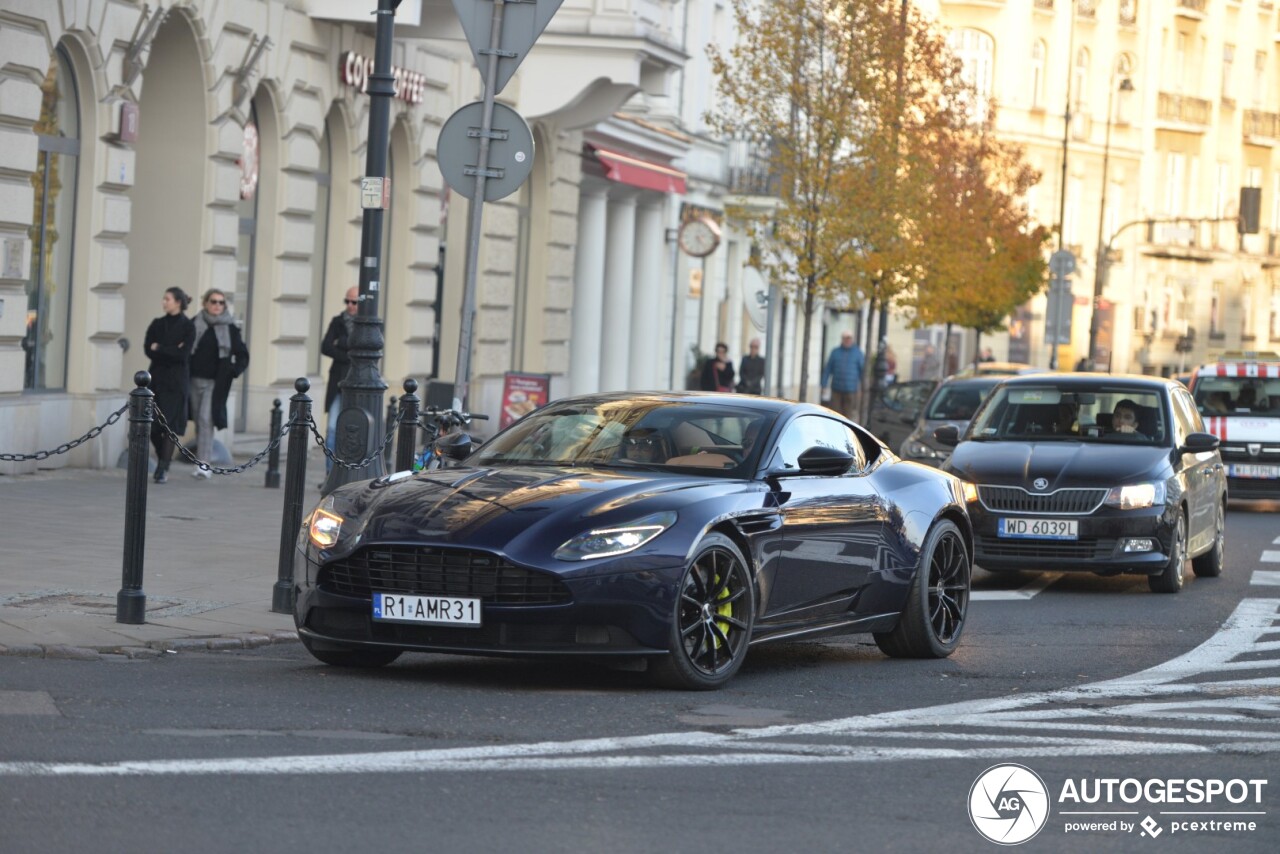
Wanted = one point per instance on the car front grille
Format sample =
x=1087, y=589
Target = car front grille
x=1252, y=487
x=430, y=571
x=1062, y=549
x=1015, y=499
x=1240, y=452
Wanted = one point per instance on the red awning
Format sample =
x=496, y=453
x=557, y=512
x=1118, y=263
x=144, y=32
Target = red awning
x=635, y=172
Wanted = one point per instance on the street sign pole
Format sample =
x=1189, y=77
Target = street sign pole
x=1061, y=264
x=462, y=382
x=360, y=424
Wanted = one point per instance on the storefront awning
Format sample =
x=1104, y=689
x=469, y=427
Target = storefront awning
x=635, y=172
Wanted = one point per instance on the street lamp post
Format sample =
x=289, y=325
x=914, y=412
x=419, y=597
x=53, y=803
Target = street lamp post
x=1099, y=268
x=360, y=424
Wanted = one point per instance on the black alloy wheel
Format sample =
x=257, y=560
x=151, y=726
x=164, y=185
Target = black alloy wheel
x=1170, y=579
x=714, y=616
x=360, y=656
x=1209, y=564
x=938, y=603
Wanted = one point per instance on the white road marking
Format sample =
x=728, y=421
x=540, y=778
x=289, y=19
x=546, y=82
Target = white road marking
x=1083, y=721
x=1266, y=577
x=1039, y=583
x=1271, y=557
x=1276, y=541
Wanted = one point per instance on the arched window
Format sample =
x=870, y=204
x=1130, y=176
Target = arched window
x=52, y=230
x=976, y=52
x=1038, y=52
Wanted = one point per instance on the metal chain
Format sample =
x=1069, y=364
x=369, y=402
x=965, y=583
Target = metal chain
x=198, y=463
x=377, y=452
x=63, y=448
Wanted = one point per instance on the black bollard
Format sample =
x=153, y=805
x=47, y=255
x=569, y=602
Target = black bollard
x=295, y=483
x=390, y=416
x=408, y=430
x=273, y=459
x=131, y=602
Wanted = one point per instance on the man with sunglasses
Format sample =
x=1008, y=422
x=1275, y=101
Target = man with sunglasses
x=335, y=345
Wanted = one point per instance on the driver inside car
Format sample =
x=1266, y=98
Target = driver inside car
x=644, y=445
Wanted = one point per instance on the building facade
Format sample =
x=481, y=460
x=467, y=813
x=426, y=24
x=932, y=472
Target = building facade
x=1174, y=117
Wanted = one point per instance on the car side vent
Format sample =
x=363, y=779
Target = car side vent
x=1015, y=499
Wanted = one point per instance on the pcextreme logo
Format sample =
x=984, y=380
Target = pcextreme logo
x=1008, y=804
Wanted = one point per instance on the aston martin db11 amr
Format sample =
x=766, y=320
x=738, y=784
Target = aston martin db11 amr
x=675, y=529
x=1093, y=472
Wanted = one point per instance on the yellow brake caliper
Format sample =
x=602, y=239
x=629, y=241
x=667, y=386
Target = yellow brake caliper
x=725, y=610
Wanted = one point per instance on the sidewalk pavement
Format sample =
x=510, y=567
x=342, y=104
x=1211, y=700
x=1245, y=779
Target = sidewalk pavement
x=212, y=558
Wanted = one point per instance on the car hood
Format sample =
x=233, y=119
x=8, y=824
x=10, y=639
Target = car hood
x=1061, y=463
x=498, y=505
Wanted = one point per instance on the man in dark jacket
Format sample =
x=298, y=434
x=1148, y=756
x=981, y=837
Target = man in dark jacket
x=751, y=369
x=335, y=345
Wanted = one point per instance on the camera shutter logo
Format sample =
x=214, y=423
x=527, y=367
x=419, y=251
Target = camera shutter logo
x=1008, y=804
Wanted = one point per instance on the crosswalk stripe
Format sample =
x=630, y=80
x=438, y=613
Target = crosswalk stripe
x=1266, y=577
x=1271, y=557
x=1021, y=594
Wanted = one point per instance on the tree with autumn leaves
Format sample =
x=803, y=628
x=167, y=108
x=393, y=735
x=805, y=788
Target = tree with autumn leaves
x=891, y=194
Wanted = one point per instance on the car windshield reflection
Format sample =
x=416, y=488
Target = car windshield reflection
x=1111, y=413
x=633, y=434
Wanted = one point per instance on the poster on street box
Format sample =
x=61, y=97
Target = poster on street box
x=521, y=394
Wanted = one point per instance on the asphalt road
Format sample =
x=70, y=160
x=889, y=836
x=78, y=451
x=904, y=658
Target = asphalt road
x=814, y=746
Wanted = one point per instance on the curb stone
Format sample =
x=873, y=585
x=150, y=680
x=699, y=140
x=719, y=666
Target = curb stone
x=154, y=649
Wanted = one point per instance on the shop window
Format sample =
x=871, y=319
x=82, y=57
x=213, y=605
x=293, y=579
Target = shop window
x=46, y=344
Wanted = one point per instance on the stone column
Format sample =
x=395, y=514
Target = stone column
x=619, y=268
x=647, y=300
x=588, y=293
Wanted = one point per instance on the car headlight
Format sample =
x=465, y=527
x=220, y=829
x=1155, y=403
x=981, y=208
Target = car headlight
x=970, y=491
x=912, y=448
x=324, y=527
x=1136, y=496
x=615, y=540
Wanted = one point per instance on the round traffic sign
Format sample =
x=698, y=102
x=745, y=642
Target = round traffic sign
x=510, y=151
x=1062, y=263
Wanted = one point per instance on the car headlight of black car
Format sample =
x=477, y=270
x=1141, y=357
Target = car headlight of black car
x=616, y=539
x=1136, y=496
x=913, y=448
x=324, y=527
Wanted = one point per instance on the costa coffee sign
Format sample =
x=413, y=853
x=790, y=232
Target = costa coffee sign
x=354, y=70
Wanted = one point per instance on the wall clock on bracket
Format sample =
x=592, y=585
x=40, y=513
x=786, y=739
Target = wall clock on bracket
x=699, y=237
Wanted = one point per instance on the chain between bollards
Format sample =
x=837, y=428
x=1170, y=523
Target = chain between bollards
x=273, y=461
x=131, y=602
x=408, y=436
x=295, y=482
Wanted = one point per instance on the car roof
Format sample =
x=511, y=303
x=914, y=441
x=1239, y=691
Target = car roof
x=1089, y=379
x=979, y=381
x=997, y=369
x=1240, y=368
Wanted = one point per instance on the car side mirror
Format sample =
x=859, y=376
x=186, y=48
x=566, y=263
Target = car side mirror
x=947, y=434
x=1199, y=442
x=455, y=446
x=821, y=460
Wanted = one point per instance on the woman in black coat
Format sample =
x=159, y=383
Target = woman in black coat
x=171, y=338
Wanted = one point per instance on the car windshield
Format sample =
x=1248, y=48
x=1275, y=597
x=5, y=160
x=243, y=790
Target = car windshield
x=637, y=433
x=1238, y=396
x=958, y=401
x=1103, y=412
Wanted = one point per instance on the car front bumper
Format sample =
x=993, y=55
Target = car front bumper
x=1099, y=546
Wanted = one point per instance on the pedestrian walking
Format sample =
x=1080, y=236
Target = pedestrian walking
x=170, y=339
x=987, y=355
x=220, y=355
x=336, y=343
x=717, y=373
x=842, y=373
x=751, y=370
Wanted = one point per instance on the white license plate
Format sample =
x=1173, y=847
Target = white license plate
x=436, y=610
x=1249, y=470
x=1039, y=529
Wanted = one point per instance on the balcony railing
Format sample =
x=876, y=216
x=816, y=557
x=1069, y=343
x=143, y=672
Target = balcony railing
x=1087, y=8
x=1196, y=7
x=751, y=169
x=1261, y=125
x=1183, y=108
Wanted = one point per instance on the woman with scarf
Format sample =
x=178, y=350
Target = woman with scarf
x=170, y=339
x=220, y=356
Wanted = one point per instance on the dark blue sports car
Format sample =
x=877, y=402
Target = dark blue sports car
x=673, y=528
